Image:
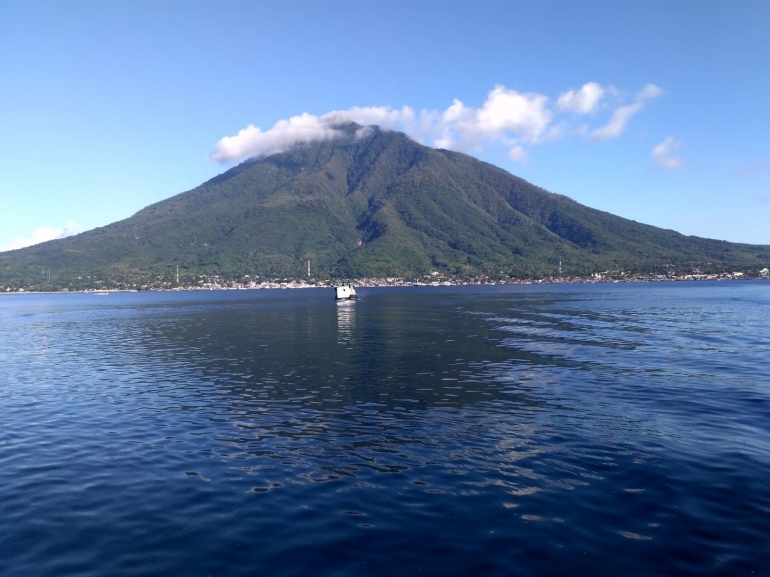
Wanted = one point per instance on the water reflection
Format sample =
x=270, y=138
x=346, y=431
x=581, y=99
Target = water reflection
x=346, y=320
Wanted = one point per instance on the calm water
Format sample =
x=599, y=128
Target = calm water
x=599, y=429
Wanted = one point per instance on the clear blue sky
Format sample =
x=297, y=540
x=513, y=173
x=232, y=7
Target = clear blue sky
x=106, y=107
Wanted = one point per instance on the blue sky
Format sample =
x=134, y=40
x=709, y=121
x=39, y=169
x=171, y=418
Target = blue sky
x=655, y=111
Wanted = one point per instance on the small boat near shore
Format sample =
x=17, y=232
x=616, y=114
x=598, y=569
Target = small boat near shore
x=345, y=292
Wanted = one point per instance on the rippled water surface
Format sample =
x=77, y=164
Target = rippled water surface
x=543, y=430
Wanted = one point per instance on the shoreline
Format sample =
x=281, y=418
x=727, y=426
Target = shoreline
x=388, y=283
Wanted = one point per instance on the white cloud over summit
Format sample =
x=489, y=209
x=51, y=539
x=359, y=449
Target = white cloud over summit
x=507, y=118
x=42, y=234
x=252, y=140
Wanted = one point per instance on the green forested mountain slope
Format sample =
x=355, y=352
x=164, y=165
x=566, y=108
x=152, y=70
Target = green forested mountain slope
x=380, y=205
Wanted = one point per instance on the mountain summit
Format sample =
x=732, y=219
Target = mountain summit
x=368, y=203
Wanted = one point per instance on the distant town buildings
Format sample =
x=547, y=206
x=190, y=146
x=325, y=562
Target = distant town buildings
x=434, y=278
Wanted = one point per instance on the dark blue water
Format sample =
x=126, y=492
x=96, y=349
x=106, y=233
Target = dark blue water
x=574, y=430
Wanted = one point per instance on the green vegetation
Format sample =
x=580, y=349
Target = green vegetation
x=381, y=205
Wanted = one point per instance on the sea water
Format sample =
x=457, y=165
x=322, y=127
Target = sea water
x=609, y=429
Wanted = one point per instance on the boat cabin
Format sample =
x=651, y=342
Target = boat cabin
x=344, y=292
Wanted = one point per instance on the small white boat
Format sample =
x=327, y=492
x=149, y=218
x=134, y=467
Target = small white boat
x=345, y=292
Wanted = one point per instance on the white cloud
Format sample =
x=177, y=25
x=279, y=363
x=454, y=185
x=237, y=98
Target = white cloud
x=623, y=114
x=506, y=118
x=252, y=140
x=617, y=123
x=519, y=154
x=649, y=92
x=383, y=116
x=582, y=101
x=525, y=115
x=665, y=154
x=42, y=234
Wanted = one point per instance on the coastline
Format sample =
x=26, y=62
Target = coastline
x=396, y=282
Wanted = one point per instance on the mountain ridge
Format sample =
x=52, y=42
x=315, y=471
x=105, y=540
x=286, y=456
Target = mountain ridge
x=373, y=205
